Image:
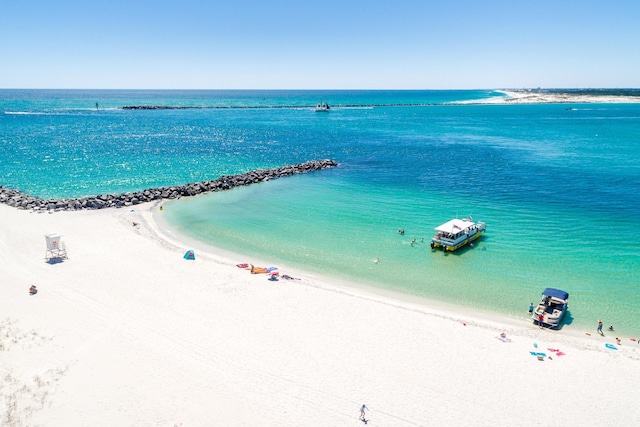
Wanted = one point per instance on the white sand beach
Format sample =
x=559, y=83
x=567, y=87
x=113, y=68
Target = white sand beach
x=541, y=97
x=125, y=332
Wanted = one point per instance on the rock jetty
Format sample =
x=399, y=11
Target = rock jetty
x=266, y=107
x=20, y=200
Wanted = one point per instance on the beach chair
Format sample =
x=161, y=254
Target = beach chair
x=55, y=247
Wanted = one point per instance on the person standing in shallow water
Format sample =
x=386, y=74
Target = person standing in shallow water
x=600, y=327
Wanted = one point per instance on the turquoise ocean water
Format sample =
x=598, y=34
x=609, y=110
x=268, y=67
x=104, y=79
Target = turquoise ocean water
x=557, y=185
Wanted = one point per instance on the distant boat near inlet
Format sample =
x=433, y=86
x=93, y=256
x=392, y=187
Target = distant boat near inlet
x=322, y=107
x=454, y=234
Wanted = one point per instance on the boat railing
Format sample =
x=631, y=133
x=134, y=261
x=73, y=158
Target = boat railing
x=446, y=239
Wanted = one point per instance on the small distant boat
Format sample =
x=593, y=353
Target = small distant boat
x=454, y=234
x=322, y=106
x=552, y=307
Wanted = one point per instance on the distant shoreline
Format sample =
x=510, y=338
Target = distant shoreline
x=558, y=96
x=511, y=96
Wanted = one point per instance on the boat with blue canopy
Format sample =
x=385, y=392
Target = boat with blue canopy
x=552, y=308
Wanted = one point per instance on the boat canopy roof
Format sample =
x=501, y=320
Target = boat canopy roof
x=556, y=293
x=455, y=226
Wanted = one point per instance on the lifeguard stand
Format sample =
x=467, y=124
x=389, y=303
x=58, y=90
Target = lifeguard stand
x=55, y=248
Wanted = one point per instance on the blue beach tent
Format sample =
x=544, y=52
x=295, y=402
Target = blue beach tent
x=190, y=255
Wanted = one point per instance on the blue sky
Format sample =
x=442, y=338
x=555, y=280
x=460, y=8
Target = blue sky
x=320, y=44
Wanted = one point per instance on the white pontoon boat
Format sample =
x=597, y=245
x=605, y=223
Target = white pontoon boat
x=456, y=233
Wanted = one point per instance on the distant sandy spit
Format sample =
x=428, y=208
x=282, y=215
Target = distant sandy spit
x=126, y=332
x=535, y=97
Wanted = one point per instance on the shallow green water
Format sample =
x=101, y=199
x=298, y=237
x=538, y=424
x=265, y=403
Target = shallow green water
x=557, y=185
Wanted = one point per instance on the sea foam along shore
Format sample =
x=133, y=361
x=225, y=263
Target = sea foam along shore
x=126, y=332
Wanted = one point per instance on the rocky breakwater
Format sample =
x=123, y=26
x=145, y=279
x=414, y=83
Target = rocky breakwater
x=20, y=200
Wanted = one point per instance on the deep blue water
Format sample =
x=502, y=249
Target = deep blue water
x=557, y=186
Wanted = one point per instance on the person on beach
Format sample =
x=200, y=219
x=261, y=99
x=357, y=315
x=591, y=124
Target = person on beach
x=600, y=327
x=33, y=290
x=618, y=341
x=540, y=320
x=362, y=409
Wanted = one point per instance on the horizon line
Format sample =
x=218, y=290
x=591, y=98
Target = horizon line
x=538, y=88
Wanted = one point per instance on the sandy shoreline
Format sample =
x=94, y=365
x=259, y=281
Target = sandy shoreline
x=541, y=97
x=127, y=332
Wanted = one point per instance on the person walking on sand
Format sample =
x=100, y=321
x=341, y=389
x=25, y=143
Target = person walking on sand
x=600, y=327
x=362, y=409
